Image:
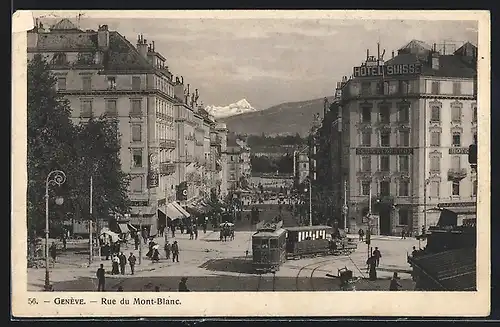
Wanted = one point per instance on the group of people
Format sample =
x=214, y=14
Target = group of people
x=226, y=232
x=119, y=262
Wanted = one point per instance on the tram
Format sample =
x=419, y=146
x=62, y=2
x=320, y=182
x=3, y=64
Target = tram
x=308, y=240
x=269, y=248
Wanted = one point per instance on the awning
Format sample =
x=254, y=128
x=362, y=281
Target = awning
x=131, y=228
x=181, y=210
x=172, y=212
x=123, y=228
x=146, y=211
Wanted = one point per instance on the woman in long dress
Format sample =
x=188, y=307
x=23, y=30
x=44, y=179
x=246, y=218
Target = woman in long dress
x=372, y=264
x=115, y=265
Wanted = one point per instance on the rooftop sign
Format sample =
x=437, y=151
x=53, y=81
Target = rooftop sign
x=387, y=70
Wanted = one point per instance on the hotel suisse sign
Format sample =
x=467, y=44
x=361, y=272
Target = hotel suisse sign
x=382, y=151
x=387, y=70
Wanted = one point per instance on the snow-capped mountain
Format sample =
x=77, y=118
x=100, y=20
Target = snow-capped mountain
x=237, y=108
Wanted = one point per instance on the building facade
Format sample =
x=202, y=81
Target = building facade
x=239, y=167
x=301, y=165
x=407, y=124
x=102, y=73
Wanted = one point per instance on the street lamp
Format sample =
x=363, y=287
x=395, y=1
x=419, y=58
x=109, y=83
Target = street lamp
x=55, y=177
x=310, y=202
x=140, y=241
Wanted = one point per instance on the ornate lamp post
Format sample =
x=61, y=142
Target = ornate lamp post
x=55, y=177
x=140, y=241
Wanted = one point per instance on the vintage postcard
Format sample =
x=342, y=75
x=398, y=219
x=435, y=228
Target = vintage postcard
x=250, y=163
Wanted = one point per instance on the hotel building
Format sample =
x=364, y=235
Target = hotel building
x=406, y=126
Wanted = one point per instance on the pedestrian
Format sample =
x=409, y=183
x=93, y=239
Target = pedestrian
x=150, y=251
x=377, y=255
x=123, y=262
x=182, y=227
x=64, y=241
x=106, y=249
x=156, y=255
x=53, y=253
x=403, y=234
x=182, y=285
x=205, y=227
x=221, y=234
x=414, y=252
x=361, y=234
x=101, y=278
x=395, y=285
x=115, y=265
x=120, y=288
x=172, y=228
x=195, y=230
x=175, y=252
x=372, y=264
x=137, y=241
x=167, y=250
x=157, y=288
x=131, y=261
x=191, y=232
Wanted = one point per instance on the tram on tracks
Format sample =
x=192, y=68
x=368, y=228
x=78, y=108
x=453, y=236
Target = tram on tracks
x=269, y=248
x=272, y=244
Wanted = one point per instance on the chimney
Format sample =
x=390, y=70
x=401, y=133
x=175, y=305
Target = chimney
x=367, y=54
x=392, y=54
x=103, y=38
x=142, y=46
x=153, y=46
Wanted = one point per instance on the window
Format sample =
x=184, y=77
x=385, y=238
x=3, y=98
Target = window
x=404, y=138
x=111, y=83
x=435, y=164
x=137, y=158
x=61, y=83
x=435, y=114
x=136, y=184
x=385, y=114
x=474, y=113
x=136, y=107
x=474, y=188
x=111, y=107
x=366, y=88
x=59, y=59
x=366, y=163
x=435, y=87
x=385, y=138
x=455, y=188
x=86, y=108
x=434, y=186
x=403, y=216
x=385, y=188
x=136, y=133
x=404, y=114
x=457, y=90
x=385, y=88
x=435, y=138
x=86, y=83
x=456, y=113
x=136, y=83
x=366, y=114
x=365, y=188
x=404, y=163
x=384, y=163
x=404, y=187
x=456, y=139
x=404, y=87
x=366, y=138
x=273, y=243
x=455, y=162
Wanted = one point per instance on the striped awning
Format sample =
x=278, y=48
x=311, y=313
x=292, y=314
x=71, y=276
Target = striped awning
x=171, y=212
x=181, y=210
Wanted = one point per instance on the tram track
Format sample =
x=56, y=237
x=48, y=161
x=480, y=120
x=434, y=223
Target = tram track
x=307, y=267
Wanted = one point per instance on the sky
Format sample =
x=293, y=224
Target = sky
x=272, y=61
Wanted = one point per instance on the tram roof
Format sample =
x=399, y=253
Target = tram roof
x=307, y=228
x=269, y=233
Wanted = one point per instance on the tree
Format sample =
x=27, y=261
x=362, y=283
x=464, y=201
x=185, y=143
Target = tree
x=51, y=136
x=55, y=143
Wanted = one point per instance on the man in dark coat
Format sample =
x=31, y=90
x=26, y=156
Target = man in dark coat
x=372, y=264
x=131, y=261
x=377, y=255
x=123, y=262
x=101, y=278
x=175, y=252
x=53, y=253
x=395, y=285
x=182, y=285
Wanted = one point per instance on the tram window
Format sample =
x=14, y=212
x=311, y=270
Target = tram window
x=273, y=243
x=256, y=243
x=265, y=244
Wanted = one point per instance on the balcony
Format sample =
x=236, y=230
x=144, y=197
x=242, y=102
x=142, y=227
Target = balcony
x=456, y=174
x=364, y=174
x=216, y=141
x=167, y=168
x=167, y=144
x=383, y=174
